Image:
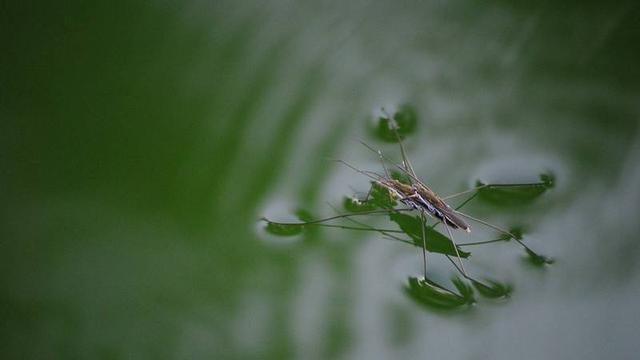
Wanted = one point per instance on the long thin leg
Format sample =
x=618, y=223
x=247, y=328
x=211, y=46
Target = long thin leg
x=371, y=212
x=511, y=235
x=370, y=174
x=383, y=231
x=388, y=233
x=455, y=247
x=490, y=186
x=458, y=207
x=424, y=243
x=456, y=266
x=394, y=128
x=361, y=228
x=464, y=192
x=463, y=273
x=386, y=171
x=483, y=242
x=396, y=165
x=486, y=224
x=366, y=198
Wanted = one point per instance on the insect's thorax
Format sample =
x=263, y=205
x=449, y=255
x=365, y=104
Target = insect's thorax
x=402, y=189
x=428, y=194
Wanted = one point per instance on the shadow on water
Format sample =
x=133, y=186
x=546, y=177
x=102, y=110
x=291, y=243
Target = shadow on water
x=439, y=298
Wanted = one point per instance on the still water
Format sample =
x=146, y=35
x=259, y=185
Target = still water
x=142, y=141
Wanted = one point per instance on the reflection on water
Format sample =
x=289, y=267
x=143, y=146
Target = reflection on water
x=145, y=140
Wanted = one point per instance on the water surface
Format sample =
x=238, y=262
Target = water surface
x=142, y=141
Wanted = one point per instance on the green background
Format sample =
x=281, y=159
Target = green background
x=140, y=141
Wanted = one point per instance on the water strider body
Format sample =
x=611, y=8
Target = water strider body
x=421, y=198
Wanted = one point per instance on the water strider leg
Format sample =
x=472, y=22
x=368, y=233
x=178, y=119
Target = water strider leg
x=405, y=159
x=455, y=247
x=458, y=207
x=463, y=273
x=424, y=243
x=319, y=221
x=499, y=229
x=483, y=242
x=370, y=174
x=366, y=198
x=381, y=157
x=384, y=232
x=464, y=192
x=490, y=186
x=396, y=165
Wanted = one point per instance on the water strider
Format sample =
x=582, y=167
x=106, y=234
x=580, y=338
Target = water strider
x=407, y=188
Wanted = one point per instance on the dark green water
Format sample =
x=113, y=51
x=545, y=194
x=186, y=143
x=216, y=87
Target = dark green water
x=141, y=141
